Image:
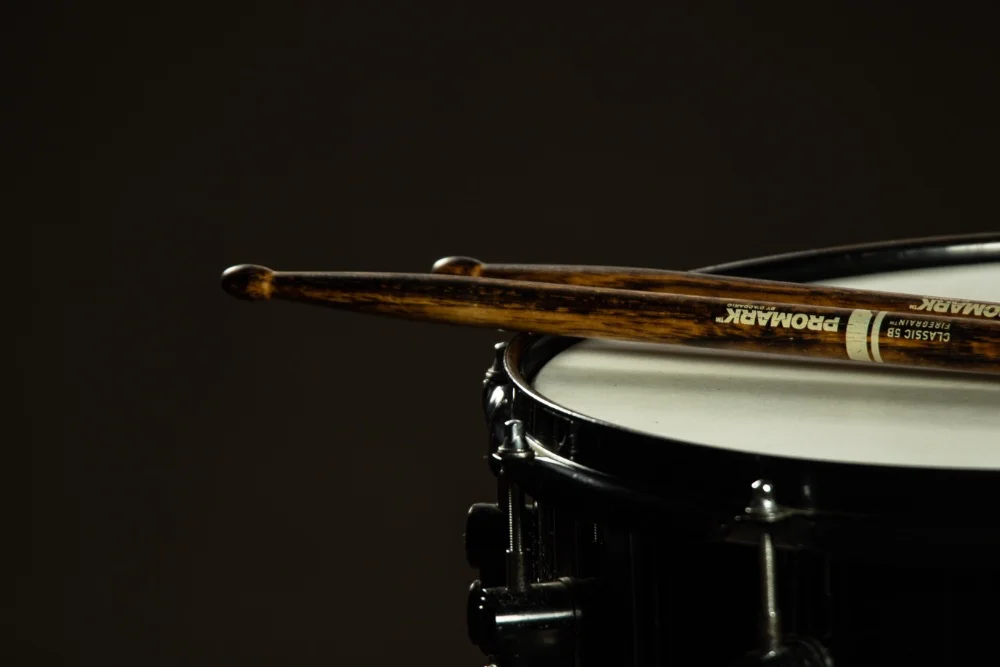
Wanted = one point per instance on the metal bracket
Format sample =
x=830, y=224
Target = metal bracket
x=764, y=508
x=515, y=447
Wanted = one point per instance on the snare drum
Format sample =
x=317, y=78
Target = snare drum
x=660, y=506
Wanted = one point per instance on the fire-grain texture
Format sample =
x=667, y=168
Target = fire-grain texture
x=698, y=284
x=588, y=312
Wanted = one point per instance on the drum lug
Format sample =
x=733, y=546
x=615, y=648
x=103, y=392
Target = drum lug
x=540, y=622
x=764, y=508
x=764, y=511
x=796, y=652
x=523, y=620
x=496, y=397
x=485, y=542
x=514, y=447
x=496, y=372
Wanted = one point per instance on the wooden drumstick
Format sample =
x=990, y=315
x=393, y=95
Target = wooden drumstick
x=700, y=284
x=857, y=334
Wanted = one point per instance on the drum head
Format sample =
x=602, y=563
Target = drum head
x=799, y=409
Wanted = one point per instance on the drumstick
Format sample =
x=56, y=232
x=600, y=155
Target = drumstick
x=823, y=332
x=699, y=284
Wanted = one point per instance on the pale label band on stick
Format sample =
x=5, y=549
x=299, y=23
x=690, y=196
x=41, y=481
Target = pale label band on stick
x=857, y=335
x=876, y=332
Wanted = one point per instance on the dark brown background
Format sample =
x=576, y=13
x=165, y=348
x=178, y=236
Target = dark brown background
x=202, y=481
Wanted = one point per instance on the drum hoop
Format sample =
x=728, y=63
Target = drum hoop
x=863, y=259
x=731, y=469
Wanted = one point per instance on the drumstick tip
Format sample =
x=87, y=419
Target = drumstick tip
x=248, y=281
x=458, y=266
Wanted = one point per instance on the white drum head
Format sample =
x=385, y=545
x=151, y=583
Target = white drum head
x=808, y=410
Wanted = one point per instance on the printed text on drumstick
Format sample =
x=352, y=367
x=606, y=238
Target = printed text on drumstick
x=957, y=307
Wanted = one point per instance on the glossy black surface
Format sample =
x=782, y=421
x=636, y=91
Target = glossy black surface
x=879, y=565
x=540, y=623
x=865, y=259
x=485, y=541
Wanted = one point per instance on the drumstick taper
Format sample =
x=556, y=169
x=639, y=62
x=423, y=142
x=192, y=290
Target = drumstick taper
x=822, y=332
x=700, y=284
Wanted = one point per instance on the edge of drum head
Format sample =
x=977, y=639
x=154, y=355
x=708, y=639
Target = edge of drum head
x=738, y=402
x=713, y=402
